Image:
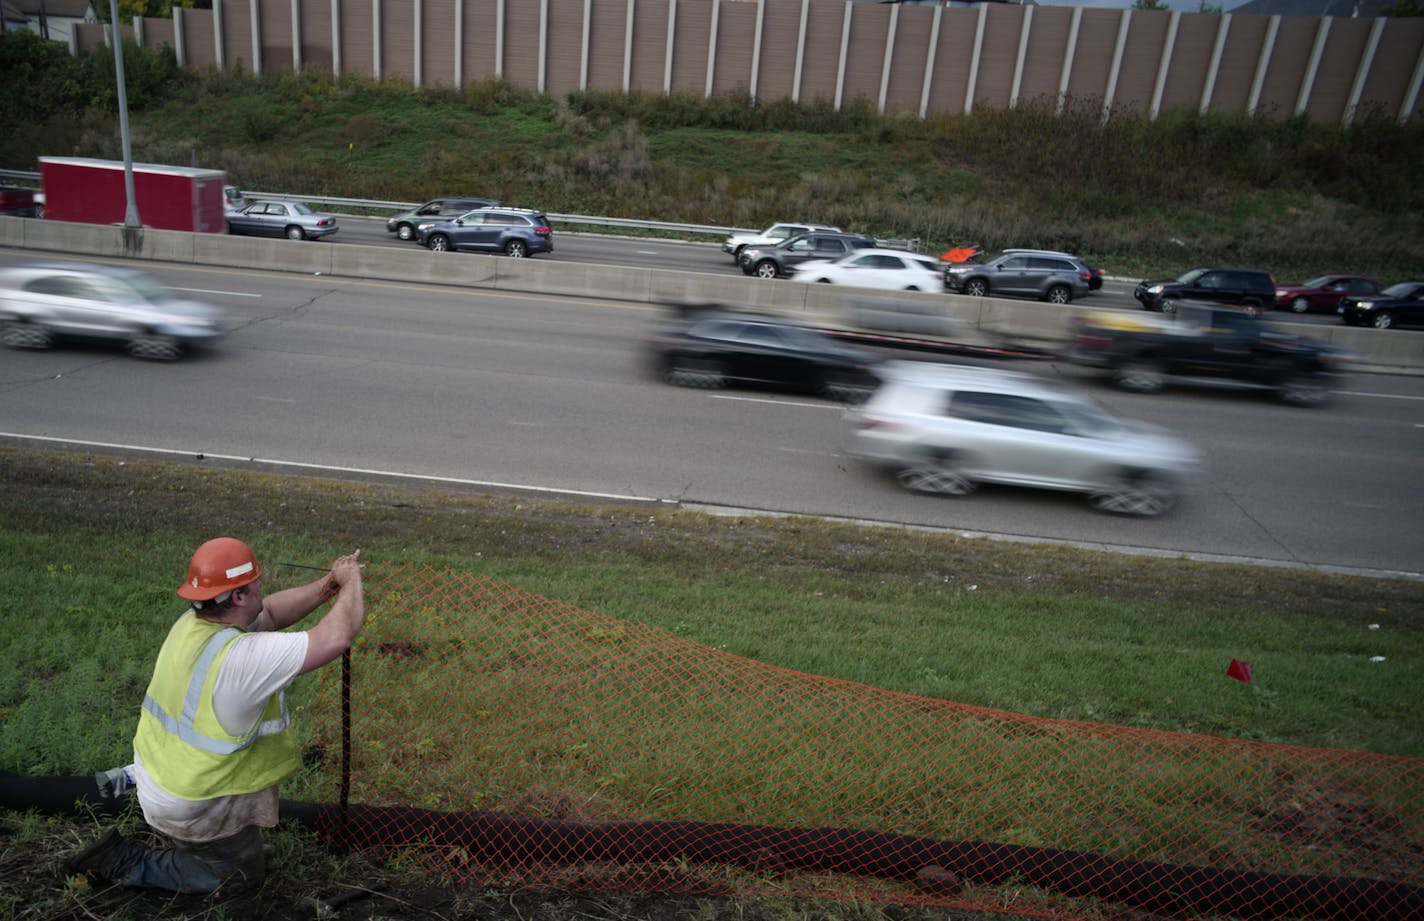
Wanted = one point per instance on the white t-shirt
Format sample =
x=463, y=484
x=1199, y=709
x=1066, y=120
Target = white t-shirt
x=258, y=665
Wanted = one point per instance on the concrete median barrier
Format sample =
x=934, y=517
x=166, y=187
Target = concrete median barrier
x=977, y=320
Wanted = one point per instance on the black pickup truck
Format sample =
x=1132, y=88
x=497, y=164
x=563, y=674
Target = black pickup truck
x=1205, y=341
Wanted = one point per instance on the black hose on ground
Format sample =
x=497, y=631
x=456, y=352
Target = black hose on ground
x=932, y=864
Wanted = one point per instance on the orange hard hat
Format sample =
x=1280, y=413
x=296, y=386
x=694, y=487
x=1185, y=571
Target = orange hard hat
x=220, y=565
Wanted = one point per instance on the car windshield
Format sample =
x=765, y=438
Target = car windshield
x=146, y=287
x=1403, y=289
x=1188, y=277
x=1087, y=419
x=1318, y=282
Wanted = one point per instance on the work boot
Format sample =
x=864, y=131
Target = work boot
x=100, y=858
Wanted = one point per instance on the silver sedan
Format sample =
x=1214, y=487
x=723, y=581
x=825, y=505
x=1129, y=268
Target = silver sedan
x=290, y=219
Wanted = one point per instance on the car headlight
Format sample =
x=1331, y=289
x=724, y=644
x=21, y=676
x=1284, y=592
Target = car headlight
x=426, y=226
x=1155, y=289
x=1364, y=305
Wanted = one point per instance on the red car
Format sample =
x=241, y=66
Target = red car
x=1324, y=292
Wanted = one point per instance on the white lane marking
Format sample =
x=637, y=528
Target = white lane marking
x=274, y=399
x=1380, y=396
x=208, y=291
x=834, y=406
x=365, y=471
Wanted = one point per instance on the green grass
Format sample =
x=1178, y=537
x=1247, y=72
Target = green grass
x=94, y=546
x=1138, y=197
x=1045, y=631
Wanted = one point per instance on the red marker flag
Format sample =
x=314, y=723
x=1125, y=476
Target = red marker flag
x=1239, y=670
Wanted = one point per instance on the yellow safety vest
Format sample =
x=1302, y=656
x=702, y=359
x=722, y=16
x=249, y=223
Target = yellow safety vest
x=182, y=745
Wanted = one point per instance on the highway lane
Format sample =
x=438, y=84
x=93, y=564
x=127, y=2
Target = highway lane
x=545, y=393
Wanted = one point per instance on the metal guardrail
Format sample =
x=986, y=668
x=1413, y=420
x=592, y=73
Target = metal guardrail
x=912, y=245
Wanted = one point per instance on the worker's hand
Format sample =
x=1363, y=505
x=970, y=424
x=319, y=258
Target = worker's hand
x=347, y=568
x=345, y=571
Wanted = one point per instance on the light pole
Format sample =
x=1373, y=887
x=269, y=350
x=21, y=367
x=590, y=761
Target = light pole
x=131, y=212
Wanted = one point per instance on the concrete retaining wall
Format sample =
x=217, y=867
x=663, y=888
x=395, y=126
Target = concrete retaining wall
x=978, y=321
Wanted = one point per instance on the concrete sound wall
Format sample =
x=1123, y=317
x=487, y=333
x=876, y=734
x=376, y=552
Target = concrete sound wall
x=977, y=321
x=913, y=59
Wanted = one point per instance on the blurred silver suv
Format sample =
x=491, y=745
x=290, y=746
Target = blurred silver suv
x=45, y=302
x=947, y=428
x=1049, y=276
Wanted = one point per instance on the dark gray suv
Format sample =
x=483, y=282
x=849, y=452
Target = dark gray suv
x=516, y=232
x=1053, y=277
x=403, y=225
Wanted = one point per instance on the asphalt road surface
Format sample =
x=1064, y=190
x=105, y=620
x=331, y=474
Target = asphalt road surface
x=549, y=394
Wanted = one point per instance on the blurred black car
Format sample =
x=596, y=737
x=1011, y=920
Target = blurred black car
x=714, y=349
x=1397, y=305
x=776, y=261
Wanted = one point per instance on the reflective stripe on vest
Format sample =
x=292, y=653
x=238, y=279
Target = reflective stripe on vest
x=183, y=726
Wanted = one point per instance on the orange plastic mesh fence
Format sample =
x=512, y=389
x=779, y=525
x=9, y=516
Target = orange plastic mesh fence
x=511, y=739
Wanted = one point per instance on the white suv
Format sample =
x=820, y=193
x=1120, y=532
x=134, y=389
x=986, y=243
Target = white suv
x=947, y=428
x=769, y=237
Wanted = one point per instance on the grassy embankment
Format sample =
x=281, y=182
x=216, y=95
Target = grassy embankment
x=1135, y=196
x=94, y=548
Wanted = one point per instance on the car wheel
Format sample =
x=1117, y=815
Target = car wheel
x=1140, y=376
x=942, y=475
x=1141, y=494
x=20, y=335
x=1059, y=294
x=154, y=346
x=701, y=373
x=405, y=232
x=1254, y=306
x=295, y=233
x=1300, y=305
x=765, y=269
x=516, y=249
x=823, y=281
x=1169, y=305
x=1305, y=389
x=439, y=243
x=1382, y=320
x=976, y=287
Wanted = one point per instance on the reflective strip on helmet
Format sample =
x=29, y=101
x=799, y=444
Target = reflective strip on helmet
x=183, y=726
x=242, y=570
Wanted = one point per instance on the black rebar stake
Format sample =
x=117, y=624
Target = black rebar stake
x=345, y=732
x=345, y=795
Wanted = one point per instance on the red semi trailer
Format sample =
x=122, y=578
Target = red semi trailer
x=167, y=197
